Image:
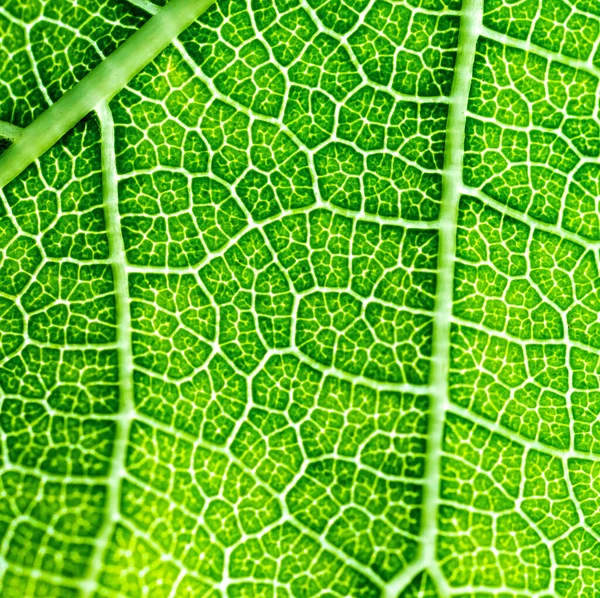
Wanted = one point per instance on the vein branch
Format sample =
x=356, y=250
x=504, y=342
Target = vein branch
x=124, y=344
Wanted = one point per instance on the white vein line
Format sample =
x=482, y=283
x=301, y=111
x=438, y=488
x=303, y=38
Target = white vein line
x=532, y=48
x=470, y=29
x=528, y=444
x=126, y=404
x=528, y=220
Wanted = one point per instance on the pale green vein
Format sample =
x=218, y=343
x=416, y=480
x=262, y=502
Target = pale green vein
x=126, y=403
x=100, y=85
x=470, y=29
x=146, y=5
x=532, y=48
x=8, y=131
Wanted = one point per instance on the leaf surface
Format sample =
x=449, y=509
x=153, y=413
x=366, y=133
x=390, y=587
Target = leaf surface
x=299, y=299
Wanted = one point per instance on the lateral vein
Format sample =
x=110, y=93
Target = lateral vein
x=124, y=346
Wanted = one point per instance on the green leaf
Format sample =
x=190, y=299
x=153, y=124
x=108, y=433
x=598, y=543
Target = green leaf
x=299, y=299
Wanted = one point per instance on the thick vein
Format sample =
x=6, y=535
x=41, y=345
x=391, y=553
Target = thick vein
x=126, y=404
x=108, y=78
x=470, y=27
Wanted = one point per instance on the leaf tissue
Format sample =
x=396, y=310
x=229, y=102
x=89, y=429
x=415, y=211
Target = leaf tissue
x=299, y=298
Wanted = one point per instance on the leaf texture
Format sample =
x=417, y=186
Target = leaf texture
x=300, y=299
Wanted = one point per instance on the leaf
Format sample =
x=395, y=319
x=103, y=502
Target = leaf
x=299, y=299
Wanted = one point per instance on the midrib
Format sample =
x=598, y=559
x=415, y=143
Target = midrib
x=124, y=348
x=470, y=29
x=101, y=84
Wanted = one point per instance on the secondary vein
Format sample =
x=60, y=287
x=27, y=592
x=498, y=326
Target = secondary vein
x=124, y=347
x=107, y=79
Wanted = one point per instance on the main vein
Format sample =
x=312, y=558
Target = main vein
x=107, y=79
x=470, y=28
x=125, y=354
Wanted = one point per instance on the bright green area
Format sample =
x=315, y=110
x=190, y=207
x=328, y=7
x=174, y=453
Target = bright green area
x=261, y=429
